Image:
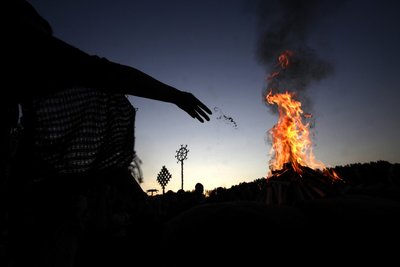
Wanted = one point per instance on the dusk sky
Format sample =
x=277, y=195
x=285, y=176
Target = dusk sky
x=211, y=49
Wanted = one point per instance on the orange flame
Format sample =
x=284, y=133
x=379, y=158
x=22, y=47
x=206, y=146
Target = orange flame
x=291, y=141
x=284, y=59
x=283, y=63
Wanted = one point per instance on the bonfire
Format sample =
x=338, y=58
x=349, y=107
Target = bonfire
x=294, y=173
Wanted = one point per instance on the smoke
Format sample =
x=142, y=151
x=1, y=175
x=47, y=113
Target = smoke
x=286, y=25
x=283, y=24
x=305, y=67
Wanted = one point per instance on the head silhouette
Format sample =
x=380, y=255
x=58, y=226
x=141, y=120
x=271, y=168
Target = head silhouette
x=199, y=188
x=28, y=17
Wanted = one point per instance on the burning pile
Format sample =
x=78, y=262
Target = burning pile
x=288, y=186
x=295, y=174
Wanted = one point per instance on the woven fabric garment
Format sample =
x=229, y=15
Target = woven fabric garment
x=81, y=129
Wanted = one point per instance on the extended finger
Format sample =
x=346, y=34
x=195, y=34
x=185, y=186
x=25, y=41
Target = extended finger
x=200, y=114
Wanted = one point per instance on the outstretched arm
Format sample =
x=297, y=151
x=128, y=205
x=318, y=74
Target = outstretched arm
x=128, y=80
x=112, y=77
x=47, y=64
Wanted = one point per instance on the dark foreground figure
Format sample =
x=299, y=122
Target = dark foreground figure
x=68, y=197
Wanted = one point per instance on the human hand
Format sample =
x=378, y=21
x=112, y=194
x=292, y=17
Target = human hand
x=193, y=106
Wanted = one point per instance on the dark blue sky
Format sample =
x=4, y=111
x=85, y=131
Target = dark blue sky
x=209, y=47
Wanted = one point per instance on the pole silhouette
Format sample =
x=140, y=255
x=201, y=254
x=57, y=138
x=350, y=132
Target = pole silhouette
x=181, y=155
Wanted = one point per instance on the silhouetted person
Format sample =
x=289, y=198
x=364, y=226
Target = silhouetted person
x=198, y=194
x=70, y=185
x=199, y=189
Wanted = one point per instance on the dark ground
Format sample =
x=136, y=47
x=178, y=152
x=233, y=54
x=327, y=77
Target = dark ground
x=358, y=227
